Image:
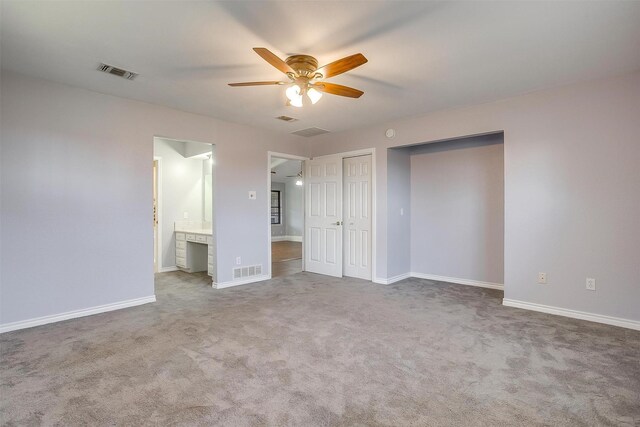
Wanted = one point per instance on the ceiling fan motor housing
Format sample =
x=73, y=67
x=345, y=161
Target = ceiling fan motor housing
x=303, y=65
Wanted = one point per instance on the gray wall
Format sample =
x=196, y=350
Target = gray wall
x=457, y=209
x=76, y=222
x=399, y=213
x=295, y=208
x=182, y=191
x=572, y=205
x=280, y=229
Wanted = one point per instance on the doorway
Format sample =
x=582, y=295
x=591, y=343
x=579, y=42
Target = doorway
x=286, y=214
x=183, y=207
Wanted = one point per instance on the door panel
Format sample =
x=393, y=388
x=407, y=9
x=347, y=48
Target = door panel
x=357, y=224
x=323, y=215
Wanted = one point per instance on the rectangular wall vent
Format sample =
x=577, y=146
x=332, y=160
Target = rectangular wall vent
x=110, y=69
x=310, y=132
x=249, y=271
x=287, y=119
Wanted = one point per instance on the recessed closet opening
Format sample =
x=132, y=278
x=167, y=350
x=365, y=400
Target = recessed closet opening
x=183, y=199
x=448, y=197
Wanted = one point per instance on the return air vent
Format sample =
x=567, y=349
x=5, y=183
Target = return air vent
x=110, y=69
x=287, y=119
x=310, y=132
x=249, y=271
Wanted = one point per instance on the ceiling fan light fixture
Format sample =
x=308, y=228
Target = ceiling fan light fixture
x=294, y=95
x=293, y=92
x=314, y=95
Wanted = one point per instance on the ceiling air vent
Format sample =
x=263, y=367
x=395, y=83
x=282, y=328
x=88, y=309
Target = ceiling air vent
x=110, y=69
x=286, y=119
x=310, y=132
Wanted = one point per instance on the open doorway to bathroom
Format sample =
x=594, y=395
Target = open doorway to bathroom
x=286, y=215
x=183, y=199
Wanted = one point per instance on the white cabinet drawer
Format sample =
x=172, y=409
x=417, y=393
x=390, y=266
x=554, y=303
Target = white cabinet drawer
x=181, y=262
x=181, y=245
x=209, y=240
x=182, y=253
x=200, y=238
x=191, y=237
x=180, y=236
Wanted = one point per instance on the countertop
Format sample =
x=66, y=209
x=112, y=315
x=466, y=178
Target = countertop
x=195, y=231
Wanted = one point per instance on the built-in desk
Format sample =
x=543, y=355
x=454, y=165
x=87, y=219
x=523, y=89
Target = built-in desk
x=195, y=251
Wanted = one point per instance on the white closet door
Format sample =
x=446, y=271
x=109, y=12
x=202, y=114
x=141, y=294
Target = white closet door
x=323, y=216
x=357, y=217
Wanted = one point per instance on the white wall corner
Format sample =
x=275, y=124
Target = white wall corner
x=390, y=280
x=30, y=323
x=574, y=314
x=222, y=285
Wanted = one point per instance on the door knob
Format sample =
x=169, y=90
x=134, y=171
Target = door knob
x=337, y=223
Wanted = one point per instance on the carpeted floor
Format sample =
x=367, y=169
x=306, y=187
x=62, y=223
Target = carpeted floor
x=308, y=350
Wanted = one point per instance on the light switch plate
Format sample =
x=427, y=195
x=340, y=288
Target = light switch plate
x=252, y=195
x=591, y=284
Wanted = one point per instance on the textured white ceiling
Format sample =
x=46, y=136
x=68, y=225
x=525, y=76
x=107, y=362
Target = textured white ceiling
x=423, y=56
x=284, y=169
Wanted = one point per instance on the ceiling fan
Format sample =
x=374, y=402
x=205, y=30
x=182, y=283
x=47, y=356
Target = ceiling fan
x=306, y=78
x=298, y=175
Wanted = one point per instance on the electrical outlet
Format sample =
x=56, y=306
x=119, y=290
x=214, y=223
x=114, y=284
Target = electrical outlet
x=185, y=215
x=542, y=278
x=591, y=284
x=238, y=261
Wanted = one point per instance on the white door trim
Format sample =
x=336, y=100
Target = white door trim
x=271, y=154
x=364, y=152
x=159, y=242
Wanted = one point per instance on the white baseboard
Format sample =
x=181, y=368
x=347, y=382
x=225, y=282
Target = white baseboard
x=167, y=269
x=458, y=281
x=246, y=281
x=391, y=280
x=286, y=238
x=574, y=314
x=30, y=323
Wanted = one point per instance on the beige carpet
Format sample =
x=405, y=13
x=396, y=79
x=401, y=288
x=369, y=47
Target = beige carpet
x=307, y=350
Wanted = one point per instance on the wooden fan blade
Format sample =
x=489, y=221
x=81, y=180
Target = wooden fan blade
x=335, y=89
x=272, y=59
x=256, y=84
x=342, y=65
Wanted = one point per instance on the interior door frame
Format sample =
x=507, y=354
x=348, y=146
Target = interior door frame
x=356, y=153
x=271, y=154
x=158, y=243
